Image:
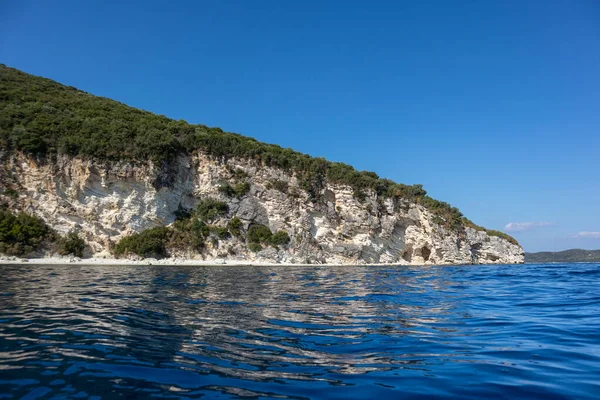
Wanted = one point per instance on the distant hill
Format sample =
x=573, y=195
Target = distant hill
x=573, y=255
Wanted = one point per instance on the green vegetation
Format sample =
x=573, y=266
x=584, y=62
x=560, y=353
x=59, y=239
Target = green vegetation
x=226, y=189
x=566, y=256
x=44, y=118
x=189, y=232
x=261, y=234
x=71, y=244
x=239, y=190
x=254, y=247
x=148, y=243
x=22, y=233
x=235, y=227
x=238, y=174
x=220, y=232
x=11, y=193
x=208, y=210
x=280, y=238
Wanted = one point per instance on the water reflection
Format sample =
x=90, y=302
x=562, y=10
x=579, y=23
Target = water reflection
x=291, y=332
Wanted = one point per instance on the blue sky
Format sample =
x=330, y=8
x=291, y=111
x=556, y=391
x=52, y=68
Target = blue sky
x=494, y=106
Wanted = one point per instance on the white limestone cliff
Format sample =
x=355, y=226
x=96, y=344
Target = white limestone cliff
x=105, y=201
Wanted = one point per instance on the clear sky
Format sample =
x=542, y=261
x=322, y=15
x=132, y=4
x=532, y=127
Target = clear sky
x=494, y=106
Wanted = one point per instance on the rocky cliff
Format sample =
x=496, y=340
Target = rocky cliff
x=128, y=181
x=105, y=201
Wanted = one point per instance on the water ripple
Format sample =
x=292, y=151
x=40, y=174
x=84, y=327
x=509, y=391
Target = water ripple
x=97, y=332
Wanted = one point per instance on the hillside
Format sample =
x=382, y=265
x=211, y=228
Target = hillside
x=573, y=255
x=76, y=138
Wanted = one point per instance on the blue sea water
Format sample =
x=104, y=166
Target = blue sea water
x=99, y=332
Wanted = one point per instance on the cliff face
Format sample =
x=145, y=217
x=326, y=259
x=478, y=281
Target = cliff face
x=106, y=201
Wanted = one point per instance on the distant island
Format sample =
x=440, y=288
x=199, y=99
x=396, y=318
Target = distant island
x=573, y=255
x=88, y=176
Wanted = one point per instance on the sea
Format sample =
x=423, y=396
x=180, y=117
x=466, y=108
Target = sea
x=355, y=332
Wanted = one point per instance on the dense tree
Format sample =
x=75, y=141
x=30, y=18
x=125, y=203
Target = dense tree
x=22, y=233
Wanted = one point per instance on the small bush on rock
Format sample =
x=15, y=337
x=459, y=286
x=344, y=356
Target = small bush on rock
x=188, y=234
x=11, y=193
x=242, y=189
x=148, y=243
x=227, y=190
x=209, y=209
x=281, y=238
x=221, y=232
x=259, y=234
x=235, y=226
x=71, y=244
x=255, y=247
x=239, y=190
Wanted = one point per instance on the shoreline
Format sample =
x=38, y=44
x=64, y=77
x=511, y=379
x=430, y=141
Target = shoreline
x=167, y=262
x=219, y=262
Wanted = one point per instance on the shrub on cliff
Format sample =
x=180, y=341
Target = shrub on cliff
x=10, y=193
x=238, y=190
x=235, y=226
x=188, y=234
x=72, y=244
x=227, y=190
x=280, y=238
x=220, y=232
x=261, y=234
x=241, y=189
x=148, y=243
x=258, y=234
x=254, y=247
x=22, y=233
x=209, y=209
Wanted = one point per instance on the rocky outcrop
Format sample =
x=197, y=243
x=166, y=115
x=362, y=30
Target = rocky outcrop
x=105, y=201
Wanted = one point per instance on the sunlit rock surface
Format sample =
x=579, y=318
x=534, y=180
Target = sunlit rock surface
x=105, y=201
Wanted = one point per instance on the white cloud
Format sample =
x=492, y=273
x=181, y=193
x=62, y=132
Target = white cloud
x=525, y=226
x=588, y=235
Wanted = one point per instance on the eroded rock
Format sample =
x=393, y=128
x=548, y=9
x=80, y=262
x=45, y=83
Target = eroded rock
x=105, y=201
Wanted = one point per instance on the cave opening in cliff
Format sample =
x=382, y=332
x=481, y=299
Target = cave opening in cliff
x=425, y=253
